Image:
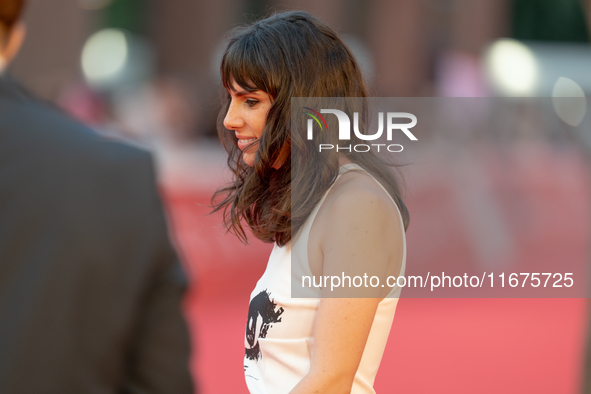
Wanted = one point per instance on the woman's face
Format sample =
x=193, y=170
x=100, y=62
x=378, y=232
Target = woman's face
x=246, y=117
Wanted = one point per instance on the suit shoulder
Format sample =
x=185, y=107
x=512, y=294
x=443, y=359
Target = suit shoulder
x=56, y=153
x=41, y=132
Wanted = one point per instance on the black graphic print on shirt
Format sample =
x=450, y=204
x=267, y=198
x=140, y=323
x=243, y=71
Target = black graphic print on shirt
x=261, y=316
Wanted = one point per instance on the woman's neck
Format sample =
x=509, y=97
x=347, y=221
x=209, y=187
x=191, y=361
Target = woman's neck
x=344, y=160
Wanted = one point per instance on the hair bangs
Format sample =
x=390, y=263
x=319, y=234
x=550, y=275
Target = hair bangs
x=244, y=64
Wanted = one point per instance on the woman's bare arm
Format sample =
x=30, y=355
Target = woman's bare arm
x=357, y=232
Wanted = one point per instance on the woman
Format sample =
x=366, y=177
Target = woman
x=347, y=214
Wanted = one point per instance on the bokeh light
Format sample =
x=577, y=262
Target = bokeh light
x=569, y=101
x=104, y=56
x=512, y=68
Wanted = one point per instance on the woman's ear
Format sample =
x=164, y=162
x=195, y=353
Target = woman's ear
x=13, y=43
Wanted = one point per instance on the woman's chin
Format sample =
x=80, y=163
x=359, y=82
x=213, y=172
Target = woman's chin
x=248, y=159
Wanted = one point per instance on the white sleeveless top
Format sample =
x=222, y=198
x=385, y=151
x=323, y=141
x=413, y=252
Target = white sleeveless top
x=279, y=337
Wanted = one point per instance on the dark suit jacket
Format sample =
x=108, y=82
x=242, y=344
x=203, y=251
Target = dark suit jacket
x=90, y=287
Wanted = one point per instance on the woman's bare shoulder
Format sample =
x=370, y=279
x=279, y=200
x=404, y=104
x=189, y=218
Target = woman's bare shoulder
x=358, y=202
x=356, y=190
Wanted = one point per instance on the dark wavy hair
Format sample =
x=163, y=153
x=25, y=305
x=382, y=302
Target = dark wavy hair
x=291, y=54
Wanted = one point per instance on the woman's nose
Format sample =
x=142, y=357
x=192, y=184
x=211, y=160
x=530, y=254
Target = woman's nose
x=233, y=120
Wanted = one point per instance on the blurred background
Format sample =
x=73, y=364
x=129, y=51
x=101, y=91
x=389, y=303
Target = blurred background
x=146, y=71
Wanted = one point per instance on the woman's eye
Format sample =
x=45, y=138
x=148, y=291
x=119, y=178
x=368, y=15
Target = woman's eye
x=251, y=102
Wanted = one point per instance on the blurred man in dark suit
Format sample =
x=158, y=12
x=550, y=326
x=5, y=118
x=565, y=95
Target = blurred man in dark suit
x=90, y=287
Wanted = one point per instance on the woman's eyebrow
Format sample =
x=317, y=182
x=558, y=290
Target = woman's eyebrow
x=240, y=93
